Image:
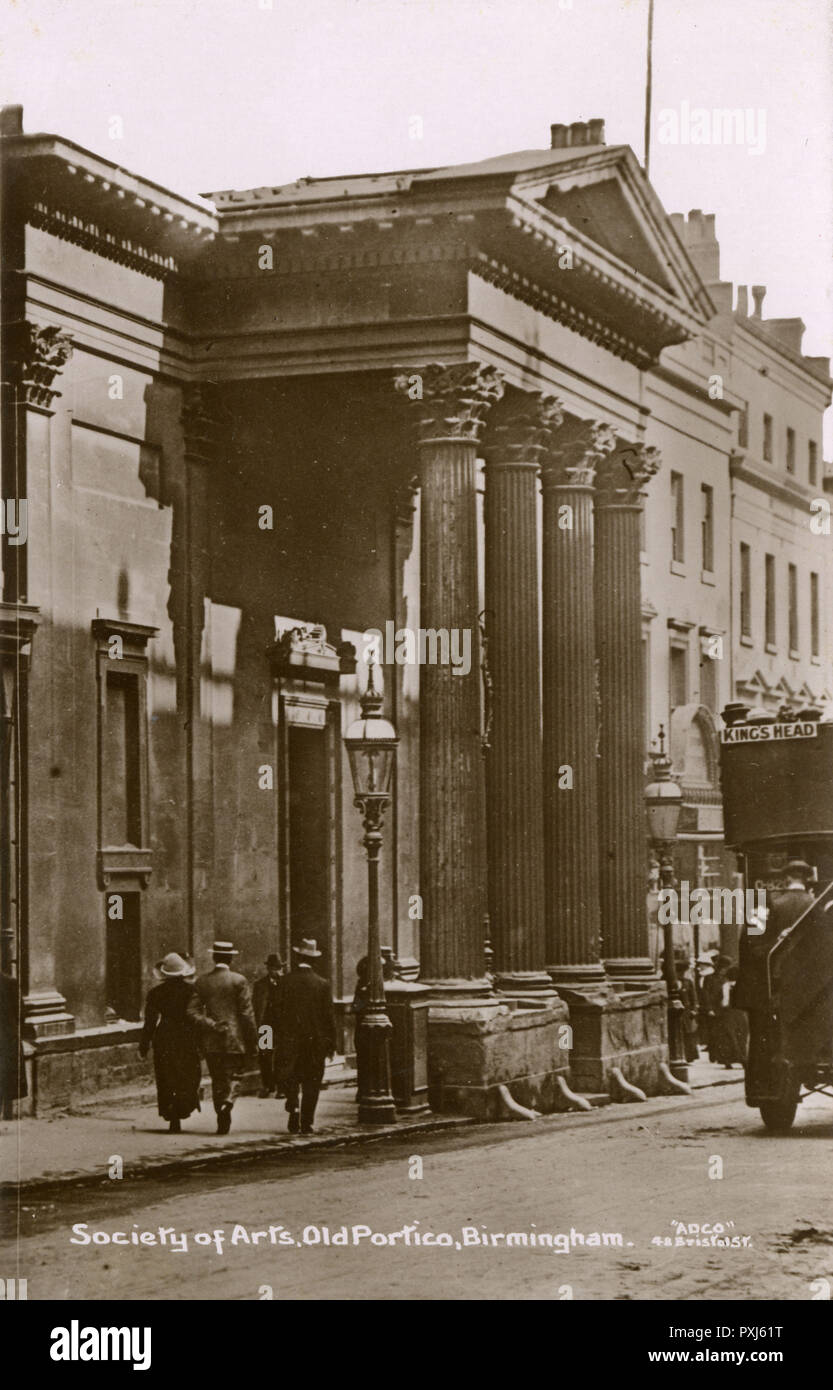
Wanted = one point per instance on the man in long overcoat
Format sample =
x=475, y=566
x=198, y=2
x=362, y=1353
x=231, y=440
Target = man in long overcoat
x=225, y=996
x=306, y=1035
x=265, y=1004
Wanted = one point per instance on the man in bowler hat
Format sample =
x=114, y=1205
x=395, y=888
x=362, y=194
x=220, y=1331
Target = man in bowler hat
x=265, y=1003
x=226, y=999
x=306, y=1035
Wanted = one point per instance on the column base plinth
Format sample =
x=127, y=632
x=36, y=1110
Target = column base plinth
x=632, y=972
x=474, y=1048
x=523, y=982
x=46, y=1015
x=627, y=1031
x=591, y=976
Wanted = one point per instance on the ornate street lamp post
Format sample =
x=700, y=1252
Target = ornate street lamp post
x=664, y=800
x=371, y=744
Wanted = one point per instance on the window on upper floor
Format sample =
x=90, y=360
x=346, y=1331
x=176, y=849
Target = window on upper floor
x=745, y=590
x=707, y=527
x=815, y=641
x=768, y=438
x=769, y=600
x=743, y=428
x=677, y=518
x=790, y=450
x=792, y=577
x=812, y=462
x=677, y=675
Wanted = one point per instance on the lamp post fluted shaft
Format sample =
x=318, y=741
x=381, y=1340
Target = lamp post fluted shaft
x=375, y=1098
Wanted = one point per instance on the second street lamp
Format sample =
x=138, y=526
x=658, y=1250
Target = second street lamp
x=371, y=748
x=664, y=802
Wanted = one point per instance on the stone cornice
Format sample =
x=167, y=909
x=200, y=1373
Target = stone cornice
x=554, y=306
x=92, y=238
x=624, y=475
x=576, y=451
x=744, y=470
x=450, y=403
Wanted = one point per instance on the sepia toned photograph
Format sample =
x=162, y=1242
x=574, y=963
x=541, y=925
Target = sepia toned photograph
x=416, y=642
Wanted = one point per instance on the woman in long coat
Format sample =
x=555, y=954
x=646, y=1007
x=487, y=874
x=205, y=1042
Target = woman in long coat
x=728, y=1027
x=170, y=1029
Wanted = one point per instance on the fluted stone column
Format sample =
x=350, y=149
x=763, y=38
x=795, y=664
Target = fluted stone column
x=451, y=404
x=515, y=841
x=620, y=492
x=571, y=829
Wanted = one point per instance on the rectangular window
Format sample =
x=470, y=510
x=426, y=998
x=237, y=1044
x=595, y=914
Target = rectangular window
x=677, y=676
x=769, y=600
x=708, y=682
x=815, y=645
x=121, y=794
x=768, y=438
x=707, y=527
x=812, y=462
x=677, y=518
x=745, y=591
x=743, y=428
x=790, y=450
x=793, y=587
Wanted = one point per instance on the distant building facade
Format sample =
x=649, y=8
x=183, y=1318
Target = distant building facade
x=475, y=401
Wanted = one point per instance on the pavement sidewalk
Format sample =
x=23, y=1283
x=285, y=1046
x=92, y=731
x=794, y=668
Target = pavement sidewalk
x=79, y=1148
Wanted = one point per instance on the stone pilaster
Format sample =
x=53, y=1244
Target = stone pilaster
x=620, y=493
x=514, y=783
x=571, y=830
x=450, y=405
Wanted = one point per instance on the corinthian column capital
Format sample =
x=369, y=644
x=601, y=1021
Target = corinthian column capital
x=40, y=354
x=451, y=402
x=522, y=430
x=625, y=474
x=576, y=451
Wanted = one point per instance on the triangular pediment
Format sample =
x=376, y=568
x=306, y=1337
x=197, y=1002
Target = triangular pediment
x=605, y=196
x=602, y=212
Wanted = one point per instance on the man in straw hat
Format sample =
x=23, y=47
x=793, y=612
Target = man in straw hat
x=226, y=999
x=306, y=1035
x=265, y=1003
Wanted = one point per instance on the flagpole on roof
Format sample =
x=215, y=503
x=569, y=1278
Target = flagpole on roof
x=648, y=84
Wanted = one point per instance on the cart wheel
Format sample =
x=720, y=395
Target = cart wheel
x=778, y=1115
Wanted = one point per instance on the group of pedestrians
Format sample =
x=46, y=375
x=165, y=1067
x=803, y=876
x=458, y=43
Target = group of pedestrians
x=711, y=1019
x=289, y=1025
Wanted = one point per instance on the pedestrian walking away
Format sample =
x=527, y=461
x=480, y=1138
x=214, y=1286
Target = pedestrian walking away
x=226, y=998
x=171, y=1029
x=265, y=1004
x=306, y=1035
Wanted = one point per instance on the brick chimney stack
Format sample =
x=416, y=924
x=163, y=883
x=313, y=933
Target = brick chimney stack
x=580, y=133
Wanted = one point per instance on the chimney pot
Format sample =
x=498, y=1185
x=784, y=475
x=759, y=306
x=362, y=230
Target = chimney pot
x=558, y=137
x=596, y=131
x=758, y=293
x=743, y=301
x=11, y=120
x=578, y=134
